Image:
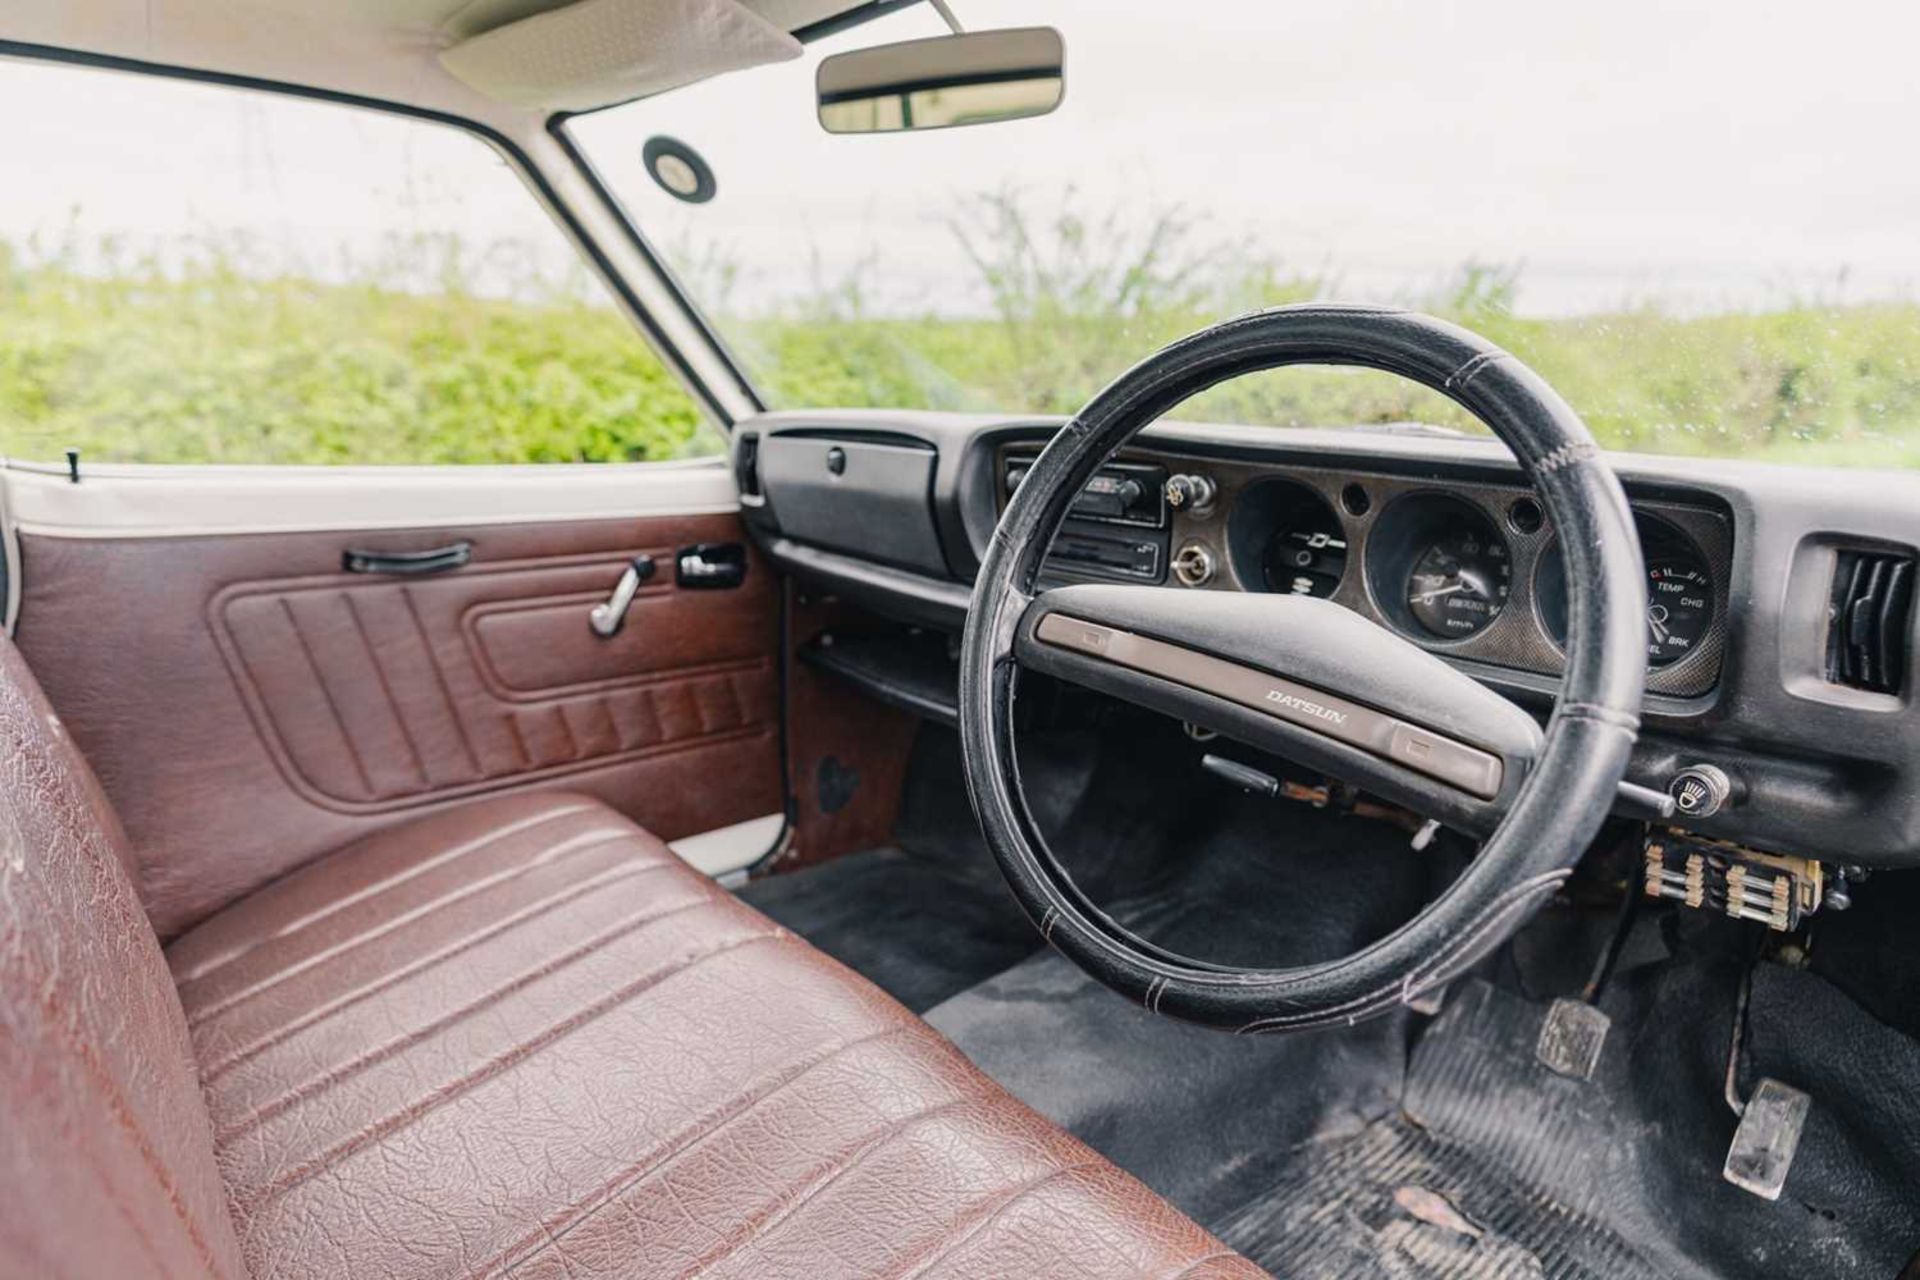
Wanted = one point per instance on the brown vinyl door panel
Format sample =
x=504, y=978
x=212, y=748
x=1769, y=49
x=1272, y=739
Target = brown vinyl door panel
x=373, y=692
x=250, y=705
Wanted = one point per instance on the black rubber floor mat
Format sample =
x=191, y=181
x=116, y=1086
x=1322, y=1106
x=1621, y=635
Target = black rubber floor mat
x=1614, y=1177
x=1394, y=1200
x=1395, y=1148
x=1208, y=1119
x=1494, y=1169
x=918, y=932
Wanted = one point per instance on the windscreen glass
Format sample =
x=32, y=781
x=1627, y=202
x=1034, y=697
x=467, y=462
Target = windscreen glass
x=1699, y=222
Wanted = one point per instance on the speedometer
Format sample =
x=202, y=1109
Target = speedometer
x=1460, y=582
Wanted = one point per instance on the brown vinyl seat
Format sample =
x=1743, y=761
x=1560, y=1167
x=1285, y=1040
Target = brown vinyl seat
x=519, y=1037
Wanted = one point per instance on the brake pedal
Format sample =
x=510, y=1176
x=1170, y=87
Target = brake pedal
x=1571, y=1038
x=1575, y=1031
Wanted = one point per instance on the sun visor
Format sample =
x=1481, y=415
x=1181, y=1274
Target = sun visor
x=596, y=52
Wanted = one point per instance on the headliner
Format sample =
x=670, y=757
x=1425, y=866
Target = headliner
x=386, y=49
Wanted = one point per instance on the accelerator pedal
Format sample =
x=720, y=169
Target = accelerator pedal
x=1769, y=1134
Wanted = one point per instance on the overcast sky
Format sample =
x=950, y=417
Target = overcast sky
x=1711, y=152
x=1705, y=155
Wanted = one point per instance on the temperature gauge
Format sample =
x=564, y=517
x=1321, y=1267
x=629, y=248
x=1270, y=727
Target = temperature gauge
x=1680, y=591
x=1679, y=606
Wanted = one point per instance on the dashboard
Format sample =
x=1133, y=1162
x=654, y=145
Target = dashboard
x=1781, y=647
x=1467, y=570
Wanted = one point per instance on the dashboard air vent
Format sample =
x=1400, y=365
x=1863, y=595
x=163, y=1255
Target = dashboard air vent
x=1869, y=620
x=746, y=466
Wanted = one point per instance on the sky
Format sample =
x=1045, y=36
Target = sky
x=315, y=187
x=1701, y=155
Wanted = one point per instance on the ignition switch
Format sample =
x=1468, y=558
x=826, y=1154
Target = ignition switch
x=1189, y=492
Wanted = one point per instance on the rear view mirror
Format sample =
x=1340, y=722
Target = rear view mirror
x=978, y=77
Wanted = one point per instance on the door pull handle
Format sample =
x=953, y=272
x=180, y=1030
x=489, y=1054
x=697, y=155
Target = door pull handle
x=434, y=561
x=610, y=615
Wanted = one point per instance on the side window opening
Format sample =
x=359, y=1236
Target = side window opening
x=201, y=274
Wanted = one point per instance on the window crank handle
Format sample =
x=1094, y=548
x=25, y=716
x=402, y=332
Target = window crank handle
x=610, y=615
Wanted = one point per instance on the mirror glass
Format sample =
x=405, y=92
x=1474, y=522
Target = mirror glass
x=978, y=77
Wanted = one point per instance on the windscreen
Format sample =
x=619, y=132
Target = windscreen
x=1700, y=222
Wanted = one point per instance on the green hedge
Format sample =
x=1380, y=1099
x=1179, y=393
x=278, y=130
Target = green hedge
x=212, y=365
x=1822, y=385
x=219, y=368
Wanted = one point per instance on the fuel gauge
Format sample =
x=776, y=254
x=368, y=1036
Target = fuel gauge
x=1679, y=605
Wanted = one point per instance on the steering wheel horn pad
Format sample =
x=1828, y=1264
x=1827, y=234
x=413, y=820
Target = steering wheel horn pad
x=1304, y=678
x=1537, y=798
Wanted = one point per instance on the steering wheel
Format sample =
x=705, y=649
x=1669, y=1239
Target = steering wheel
x=1315, y=682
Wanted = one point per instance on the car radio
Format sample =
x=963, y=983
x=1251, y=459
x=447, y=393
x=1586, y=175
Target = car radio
x=1115, y=530
x=1119, y=493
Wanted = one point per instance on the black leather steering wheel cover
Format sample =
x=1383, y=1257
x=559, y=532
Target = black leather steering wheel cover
x=1556, y=812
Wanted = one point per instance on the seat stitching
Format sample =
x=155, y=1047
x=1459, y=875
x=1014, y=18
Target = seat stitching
x=120, y=1109
x=586, y=842
x=399, y=1044
x=384, y=1128
x=484, y=841
x=757, y=1228
x=993, y=1211
x=567, y=894
x=43, y=987
x=124, y=1211
x=665, y=1154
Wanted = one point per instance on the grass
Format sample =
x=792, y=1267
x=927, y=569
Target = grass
x=210, y=357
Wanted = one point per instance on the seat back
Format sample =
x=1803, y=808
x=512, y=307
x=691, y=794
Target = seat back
x=106, y=1152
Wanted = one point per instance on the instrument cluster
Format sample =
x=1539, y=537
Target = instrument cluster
x=1468, y=568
